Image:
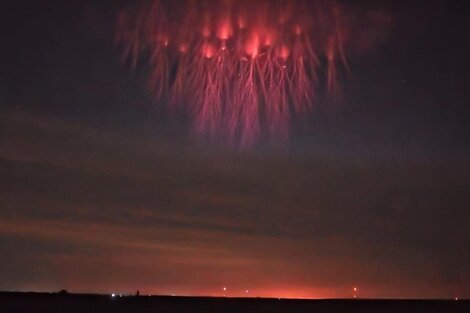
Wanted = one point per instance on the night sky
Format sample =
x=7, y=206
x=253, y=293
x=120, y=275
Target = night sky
x=103, y=190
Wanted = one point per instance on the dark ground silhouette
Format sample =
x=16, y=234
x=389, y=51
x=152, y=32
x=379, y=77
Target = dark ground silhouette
x=64, y=302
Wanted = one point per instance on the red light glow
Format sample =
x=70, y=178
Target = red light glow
x=261, y=62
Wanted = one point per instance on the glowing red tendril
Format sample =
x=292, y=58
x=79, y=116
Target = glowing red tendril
x=242, y=69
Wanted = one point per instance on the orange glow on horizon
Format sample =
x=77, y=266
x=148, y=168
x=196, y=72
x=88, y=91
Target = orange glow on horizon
x=279, y=293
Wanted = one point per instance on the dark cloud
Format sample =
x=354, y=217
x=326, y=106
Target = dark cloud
x=90, y=198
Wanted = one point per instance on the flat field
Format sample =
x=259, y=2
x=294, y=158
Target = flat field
x=71, y=303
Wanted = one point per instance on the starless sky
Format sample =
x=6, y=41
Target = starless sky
x=102, y=190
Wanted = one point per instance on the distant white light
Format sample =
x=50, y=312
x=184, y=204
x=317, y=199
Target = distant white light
x=355, y=288
x=246, y=291
x=456, y=298
x=225, y=288
x=113, y=295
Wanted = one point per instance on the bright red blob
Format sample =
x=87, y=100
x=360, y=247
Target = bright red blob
x=284, y=52
x=208, y=50
x=184, y=48
x=252, y=45
x=224, y=31
x=269, y=39
x=242, y=69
